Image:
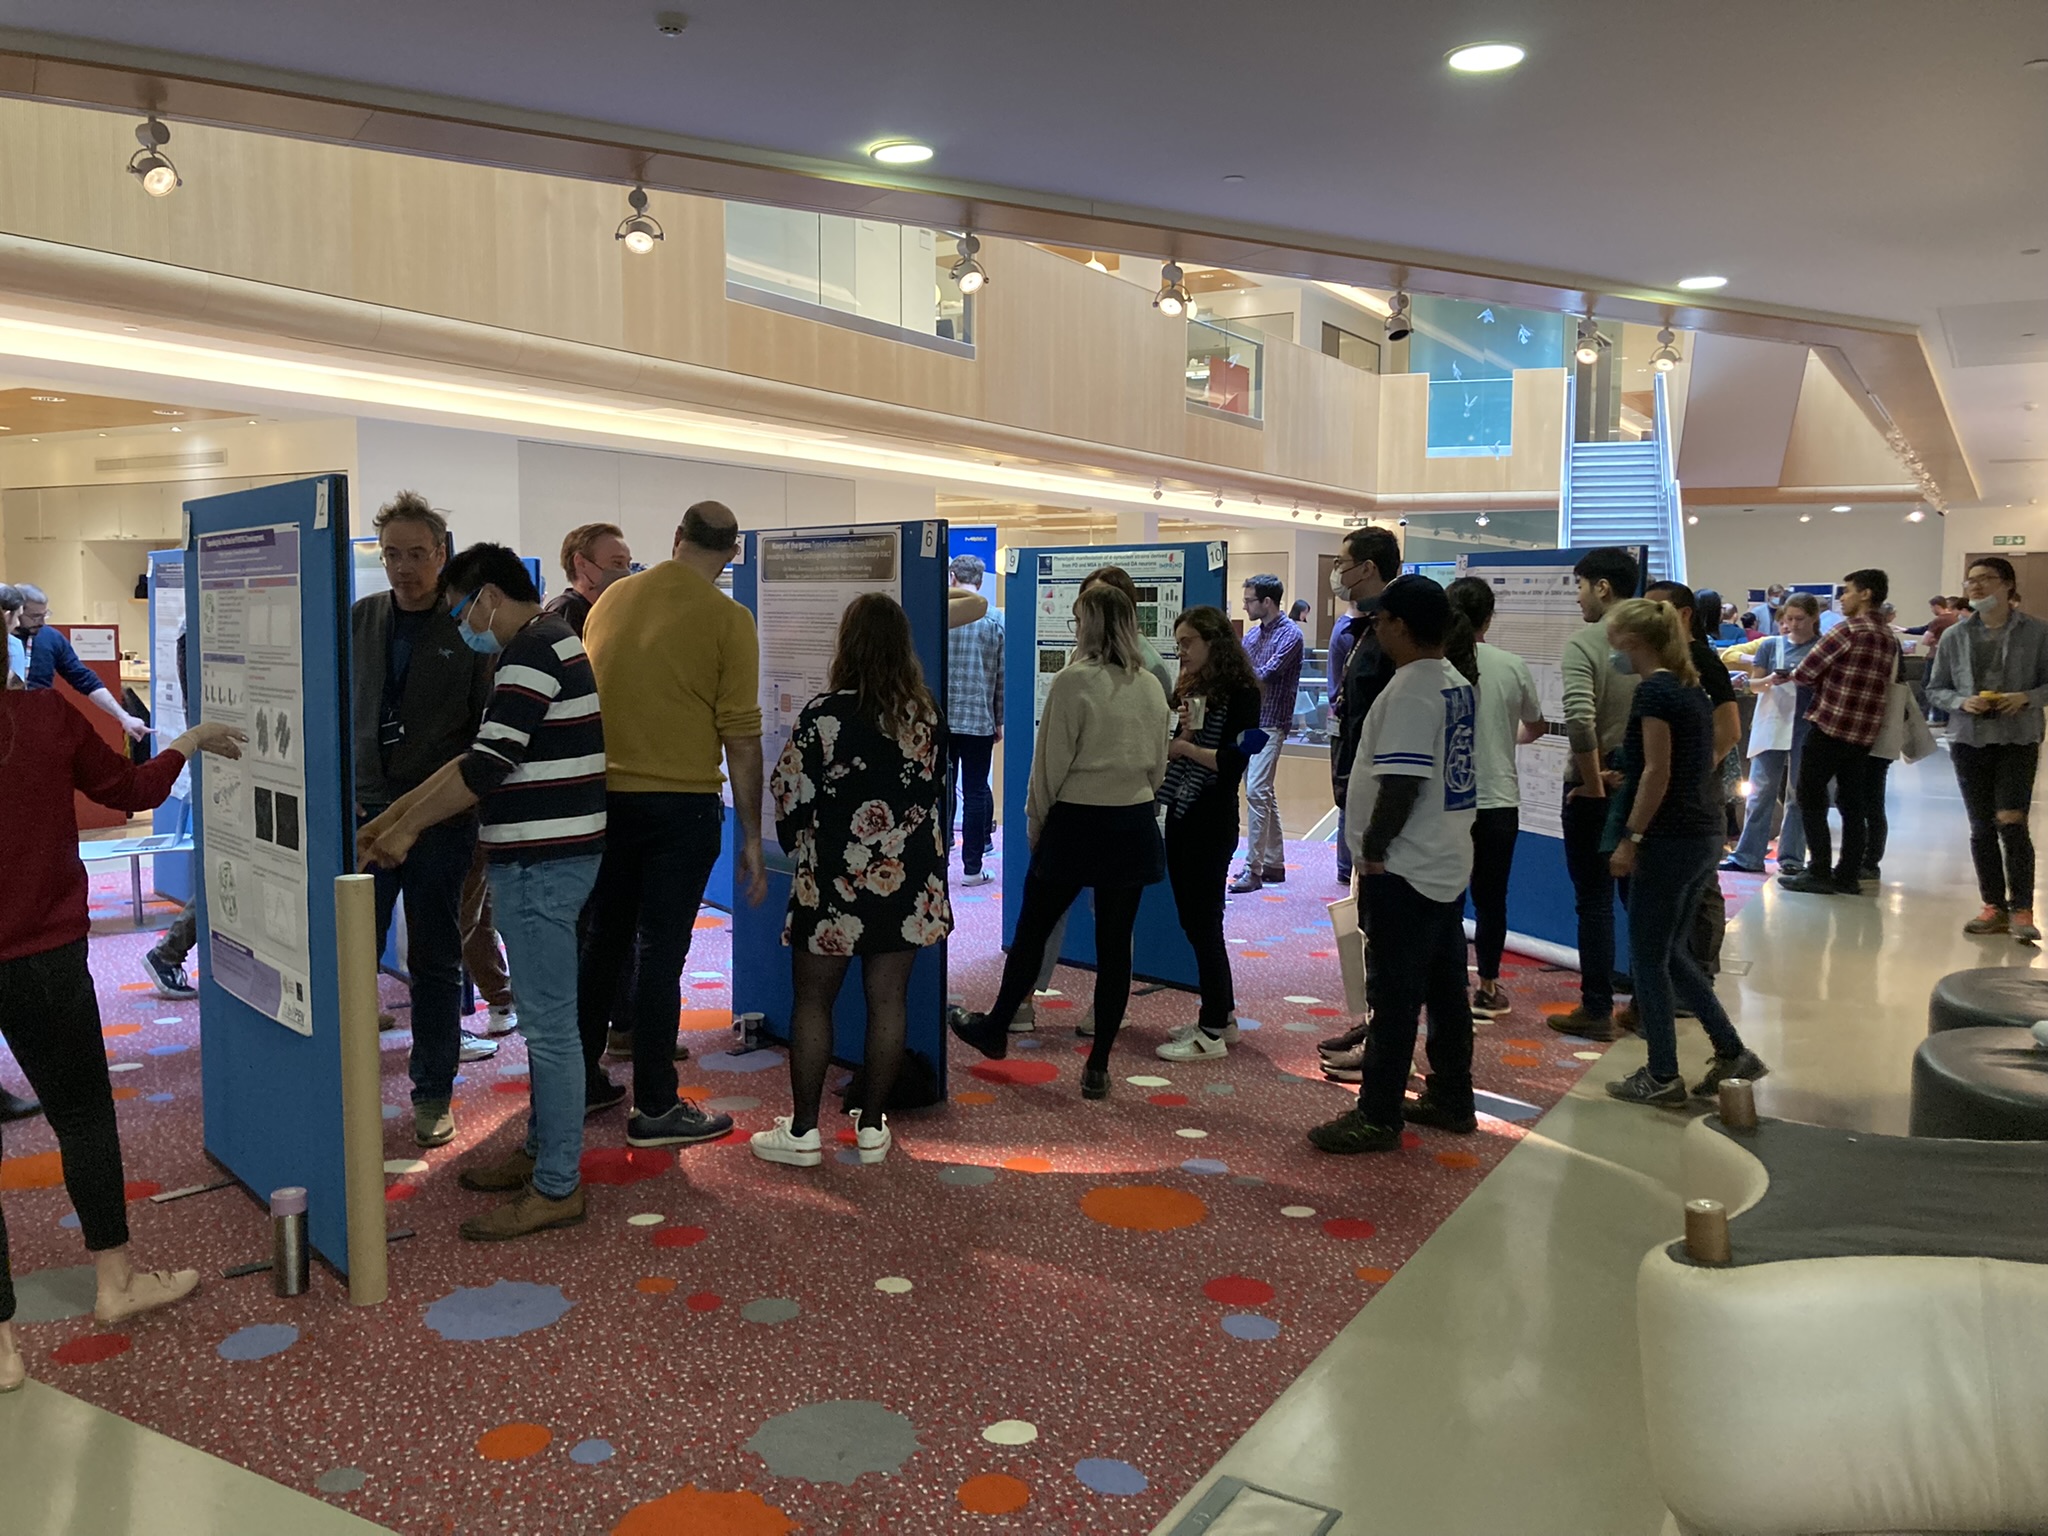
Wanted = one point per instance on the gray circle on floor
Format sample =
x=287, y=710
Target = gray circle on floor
x=770, y=1309
x=967, y=1174
x=52, y=1295
x=342, y=1480
x=1302, y=1027
x=732, y=1104
x=1248, y=1179
x=1221, y=1088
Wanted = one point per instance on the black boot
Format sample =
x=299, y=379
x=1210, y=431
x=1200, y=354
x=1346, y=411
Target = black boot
x=14, y=1107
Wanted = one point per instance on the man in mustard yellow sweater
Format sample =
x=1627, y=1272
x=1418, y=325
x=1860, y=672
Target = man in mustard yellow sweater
x=678, y=679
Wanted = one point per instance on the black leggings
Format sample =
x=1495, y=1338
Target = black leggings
x=1493, y=856
x=1116, y=914
x=886, y=978
x=51, y=1021
x=1198, y=850
x=1993, y=779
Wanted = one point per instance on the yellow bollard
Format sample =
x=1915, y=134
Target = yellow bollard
x=362, y=1092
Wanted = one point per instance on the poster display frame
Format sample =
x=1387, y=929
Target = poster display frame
x=170, y=873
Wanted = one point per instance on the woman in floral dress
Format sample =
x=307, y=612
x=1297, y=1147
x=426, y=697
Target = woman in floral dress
x=860, y=797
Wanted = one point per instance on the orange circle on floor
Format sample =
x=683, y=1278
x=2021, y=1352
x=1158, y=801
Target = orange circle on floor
x=696, y=1020
x=704, y=923
x=1254, y=954
x=974, y=1096
x=1557, y=1010
x=115, y=1031
x=122, y=1095
x=513, y=1442
x=1028, y=1164
x=1457, y=1160
x=1520, y=1059
x=694, y=1511
x=993, y=1493
x=1372, y=1276
x=654, y=1285
x=1523, y=1045
x=1142, y=1207
x=39, y=1170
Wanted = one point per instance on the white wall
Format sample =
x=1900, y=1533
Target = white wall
x=1732, y=550
x=473, y=477
x=1970, y=533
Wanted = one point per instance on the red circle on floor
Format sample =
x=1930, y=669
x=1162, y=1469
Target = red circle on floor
x=1349, y=1227
x=1326, y=1013
x=1167, y=1100
x=1052, y=1002
x=140, y=1189
x=1411, y=1139
x=625, y=1165
x=845, y=1137
x=680, y=1237
x=1017, y=1073
x=91, y=1349
x=510, y=1085
x=993, y=1493
x=401, y=1192
x=1238, y=1291
x=703, y=1301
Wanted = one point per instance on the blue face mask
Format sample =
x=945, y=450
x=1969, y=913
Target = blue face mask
x=483, y=642
x=1622, y=666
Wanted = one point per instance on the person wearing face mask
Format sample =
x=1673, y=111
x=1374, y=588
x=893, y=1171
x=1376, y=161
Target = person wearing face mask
x=593, y=557
x=419, y=692
x=1668, y=843
x=1991, y=674
x=536, y=772
x=1776, y=733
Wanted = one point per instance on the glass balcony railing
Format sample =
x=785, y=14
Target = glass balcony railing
x=1226, y=368
x=877, y=277
x=1471, y=417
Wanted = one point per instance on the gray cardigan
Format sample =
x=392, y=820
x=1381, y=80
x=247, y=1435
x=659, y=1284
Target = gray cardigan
x=1950, y=681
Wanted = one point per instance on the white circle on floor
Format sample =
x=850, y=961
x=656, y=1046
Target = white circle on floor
x=125, y=1066
x=1585, y=1055
x=1010, y=1432
x=646, y=1219
x=1191, y=1133
x=1297, y=1211
x=1306, y=1002
x=893, y=1285
x=1147, y=1080
x=405, y=1165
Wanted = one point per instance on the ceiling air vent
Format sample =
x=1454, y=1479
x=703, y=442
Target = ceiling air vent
x=162, y=461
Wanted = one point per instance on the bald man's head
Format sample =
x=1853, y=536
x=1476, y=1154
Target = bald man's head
x=709, y=526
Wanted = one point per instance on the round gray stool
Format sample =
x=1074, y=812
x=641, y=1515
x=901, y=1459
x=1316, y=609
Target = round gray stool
x=1995, y=996
x=1981, y=1085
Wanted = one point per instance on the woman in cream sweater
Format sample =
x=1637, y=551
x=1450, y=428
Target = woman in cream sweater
x=1097, y=766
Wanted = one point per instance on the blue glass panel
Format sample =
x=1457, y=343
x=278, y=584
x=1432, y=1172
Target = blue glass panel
x=1470, y=352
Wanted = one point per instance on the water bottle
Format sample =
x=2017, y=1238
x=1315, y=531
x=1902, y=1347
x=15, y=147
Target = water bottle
x=288, y=1251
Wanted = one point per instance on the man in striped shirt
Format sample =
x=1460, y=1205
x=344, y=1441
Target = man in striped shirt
x=536, y=775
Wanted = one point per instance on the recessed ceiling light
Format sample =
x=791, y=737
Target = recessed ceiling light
x=900, y=152
x=1484, y=58
x=49, y=399
x=1806, y=517
x=1840, y=507
x=1702, y=283
x=160, y=411
x=131, y=328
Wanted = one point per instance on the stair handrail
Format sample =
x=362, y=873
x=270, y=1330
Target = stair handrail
x=1669, y=509
x=1564, y=472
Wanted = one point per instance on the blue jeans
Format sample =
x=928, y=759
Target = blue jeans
x=1343, y=848
x=1770, y=781
x=536, y=905
x=431, y=880
x=972, y=756
x=1663, y=894
x=658, y=853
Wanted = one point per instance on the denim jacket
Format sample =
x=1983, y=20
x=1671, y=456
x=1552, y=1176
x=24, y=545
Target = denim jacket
x=1950, y=681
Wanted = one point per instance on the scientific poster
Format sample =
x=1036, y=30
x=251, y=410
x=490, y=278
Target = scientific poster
x=167, y=700
x=253, y=811
x=1160, y=576
x=1536, y=610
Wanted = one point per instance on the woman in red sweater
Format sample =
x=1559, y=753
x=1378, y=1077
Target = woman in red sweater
x=48, y=1011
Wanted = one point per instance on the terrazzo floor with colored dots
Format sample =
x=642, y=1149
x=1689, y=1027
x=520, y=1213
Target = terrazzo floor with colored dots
x=1039, y=1314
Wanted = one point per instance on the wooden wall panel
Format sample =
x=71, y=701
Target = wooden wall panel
x=1531, y=467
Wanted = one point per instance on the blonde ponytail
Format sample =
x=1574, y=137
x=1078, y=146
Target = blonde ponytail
x=1657, y=626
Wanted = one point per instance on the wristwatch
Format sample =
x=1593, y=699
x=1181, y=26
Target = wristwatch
x=1636, y=837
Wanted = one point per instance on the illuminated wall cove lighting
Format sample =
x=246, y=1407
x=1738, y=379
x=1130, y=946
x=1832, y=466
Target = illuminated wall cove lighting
x=1484, y=58
x=1701, y=284
x=639, y=229
x=149, y=164
x=900, y=152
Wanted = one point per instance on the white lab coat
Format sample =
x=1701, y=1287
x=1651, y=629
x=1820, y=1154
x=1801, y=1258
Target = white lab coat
x=1770, y=729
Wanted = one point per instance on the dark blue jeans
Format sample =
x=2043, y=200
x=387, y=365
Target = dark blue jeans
x=431, y=881
x=1585, y=821
x=972, y=756
x=1419, y=947
x=1663, y=894
x=658, y=853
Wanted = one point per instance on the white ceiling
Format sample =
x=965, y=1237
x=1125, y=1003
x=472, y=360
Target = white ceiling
x=1883, y=158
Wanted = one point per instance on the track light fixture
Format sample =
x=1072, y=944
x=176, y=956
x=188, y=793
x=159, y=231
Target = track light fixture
x=149, y=164
x=1591, y=342
x=1158, y=489
x=1400, y=324
x=968, y=271
x=1482, y=519
x=1665, y=358
x=639, y=229
x=1173, y=300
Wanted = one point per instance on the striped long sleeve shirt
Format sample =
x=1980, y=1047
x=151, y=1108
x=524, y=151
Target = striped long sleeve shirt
x=537, y=767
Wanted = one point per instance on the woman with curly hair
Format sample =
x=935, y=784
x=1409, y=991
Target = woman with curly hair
x=860, y=800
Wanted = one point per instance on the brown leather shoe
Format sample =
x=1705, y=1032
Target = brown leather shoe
x=524, y=1215
x=504, y=1177
x=1584, y=1025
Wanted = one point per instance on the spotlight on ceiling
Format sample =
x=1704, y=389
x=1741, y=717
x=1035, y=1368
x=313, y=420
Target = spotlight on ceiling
x=1806, y=517
x=900, y=152
x=1484, y=58
x=1173, y=300
x=639, y=228
x=149, y=164
x=1482, y=519
x=1702, y=283
x=1095, y=263
x=1591, y=342
x=1400, y=324
x=968, y=271
x=1692, y=520
x=1665, y=358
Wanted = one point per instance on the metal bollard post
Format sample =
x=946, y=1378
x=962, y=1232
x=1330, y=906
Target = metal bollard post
x=1706, y=1232
x=1738, y=1104
x=362, y=1092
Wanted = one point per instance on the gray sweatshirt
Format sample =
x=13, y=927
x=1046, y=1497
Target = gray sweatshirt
x=2023, y=668
x=1596, y=697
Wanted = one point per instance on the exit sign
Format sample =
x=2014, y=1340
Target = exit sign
x=2014, y=540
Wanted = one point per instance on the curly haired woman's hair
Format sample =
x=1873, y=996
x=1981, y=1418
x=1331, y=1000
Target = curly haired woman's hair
x=875, y=661
x=1657, y=625
x=1227, y=671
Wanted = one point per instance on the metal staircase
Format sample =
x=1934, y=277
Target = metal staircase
x=1624, y=493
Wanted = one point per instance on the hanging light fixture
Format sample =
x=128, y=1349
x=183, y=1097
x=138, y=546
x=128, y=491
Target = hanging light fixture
x=1482, y=519
x=639, y=229
x=1173, y=300
x=149, y=164
x=1591, y=342
x=1400, y=324
x=1665, y=358
x=968, y=271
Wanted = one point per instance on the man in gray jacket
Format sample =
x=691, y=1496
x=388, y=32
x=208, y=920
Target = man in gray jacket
x=1991, y=674
x=419, y=694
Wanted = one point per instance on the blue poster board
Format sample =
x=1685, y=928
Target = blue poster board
x=273, y=1094
x=1038, y=594
x=171, y=873
x=761, y=979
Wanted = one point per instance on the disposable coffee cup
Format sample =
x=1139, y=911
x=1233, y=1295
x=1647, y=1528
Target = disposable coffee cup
x=1198, y=711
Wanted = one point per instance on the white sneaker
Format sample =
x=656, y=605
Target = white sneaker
x=1228, y=1036
x=503, y=1020
x=1025, y=1020
x=872, y=1142
x=979, y=877
x=780, y=1146
x=477, y=1049
x=1194, y=1046
x=1084, y=1026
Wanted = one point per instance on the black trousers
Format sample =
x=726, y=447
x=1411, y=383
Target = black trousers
x=431, y=881
x=972, y=756
x=1585, y=822
x=1429, y=939
x=1198, y=850
x=1829, y=760
x=51, y=1021
x=1045, y=903
x=1877, y=827
x=1995, y=778
x=1493, y=857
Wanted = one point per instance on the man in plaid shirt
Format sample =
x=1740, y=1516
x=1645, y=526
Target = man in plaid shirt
x=1851, y=671
x=974, y=706
x=1273, y=644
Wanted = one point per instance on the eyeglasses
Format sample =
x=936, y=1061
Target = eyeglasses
x=1986, y=580
x=456, y=612
x=407, y=556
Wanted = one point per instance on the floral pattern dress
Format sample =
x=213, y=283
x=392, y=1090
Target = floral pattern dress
x=862, y=816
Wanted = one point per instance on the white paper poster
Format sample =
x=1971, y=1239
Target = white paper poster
x=250, y=675
x=93, y=643
x=1535, y=611
x=167, y=700
x=1160, y=575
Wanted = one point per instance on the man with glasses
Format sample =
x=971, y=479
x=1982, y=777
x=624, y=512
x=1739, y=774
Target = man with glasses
x=419, y=693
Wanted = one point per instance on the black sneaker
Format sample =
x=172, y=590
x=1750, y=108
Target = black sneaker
x=1246, y=883
x=1639, y=1087
x=1584, y=1025
x=14, y=1107
x=979, y=1031
x=169, y=979
x=599, y=1097
x=1350, y=1040
x=1426, y=1111
x=1810, y=885
x=1352, y=1132
x=681, y=1126
x=1744, y=1064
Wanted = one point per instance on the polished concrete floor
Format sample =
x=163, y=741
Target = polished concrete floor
x=1492, y=1385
